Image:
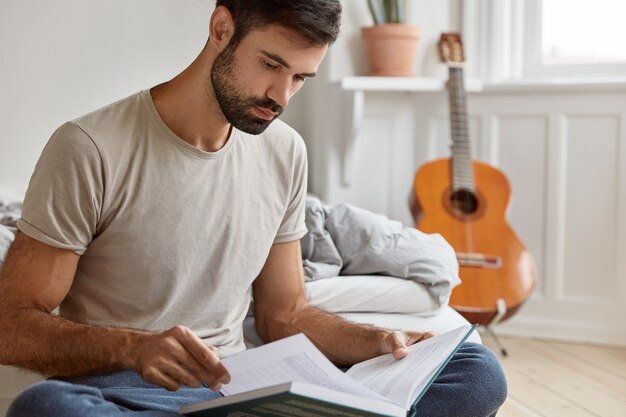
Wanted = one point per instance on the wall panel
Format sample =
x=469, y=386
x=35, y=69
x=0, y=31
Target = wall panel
x=373, y=165
x=523, y=155
x=591, y=199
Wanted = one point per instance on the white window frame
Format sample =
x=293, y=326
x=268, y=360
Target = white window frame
x=503, y=43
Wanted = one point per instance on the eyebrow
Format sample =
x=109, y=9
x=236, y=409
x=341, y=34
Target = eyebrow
x=284, y=63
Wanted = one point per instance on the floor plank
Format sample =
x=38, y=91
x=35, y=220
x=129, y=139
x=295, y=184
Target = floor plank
x=611, y=382
x=554, y=379
x=538, y=398
x=566, y=379
x=610, y=359
x=512, y=407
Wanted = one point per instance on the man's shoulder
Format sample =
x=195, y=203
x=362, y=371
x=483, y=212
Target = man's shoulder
x=117, y=111
x=116, y=129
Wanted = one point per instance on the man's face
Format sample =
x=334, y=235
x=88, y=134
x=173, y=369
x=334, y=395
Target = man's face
x=254, y=81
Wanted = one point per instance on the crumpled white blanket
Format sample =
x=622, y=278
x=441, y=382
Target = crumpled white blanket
x=347, y=240
x=9, y=214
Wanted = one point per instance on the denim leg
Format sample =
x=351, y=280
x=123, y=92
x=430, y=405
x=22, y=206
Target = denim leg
x=471, y=385
x=120, y=394
x=58, y=398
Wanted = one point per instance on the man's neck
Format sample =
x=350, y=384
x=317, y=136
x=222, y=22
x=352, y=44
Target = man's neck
x=188, y=107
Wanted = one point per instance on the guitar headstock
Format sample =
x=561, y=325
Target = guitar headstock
x=451, y=48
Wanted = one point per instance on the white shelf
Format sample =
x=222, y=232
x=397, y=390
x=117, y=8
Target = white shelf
x=564, y=85
x=406, y=84
x=353, y=91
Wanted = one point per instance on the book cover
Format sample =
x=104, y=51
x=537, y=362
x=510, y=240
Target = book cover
x=293, y=399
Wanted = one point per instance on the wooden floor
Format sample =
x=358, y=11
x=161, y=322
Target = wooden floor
x=556, y=379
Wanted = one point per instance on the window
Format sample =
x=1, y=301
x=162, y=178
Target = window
x=577, y=32
x=517, y=40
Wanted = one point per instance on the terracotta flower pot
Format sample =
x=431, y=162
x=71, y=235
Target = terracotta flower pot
x=391, y=49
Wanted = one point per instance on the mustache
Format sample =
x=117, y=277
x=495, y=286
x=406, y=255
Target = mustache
x=268, y=103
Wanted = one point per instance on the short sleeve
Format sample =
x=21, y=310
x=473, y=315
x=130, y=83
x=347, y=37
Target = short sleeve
x=64, y=197
x=292, y=226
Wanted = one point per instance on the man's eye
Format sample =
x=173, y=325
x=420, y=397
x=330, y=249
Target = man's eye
x=270, y=65
x=300, y=78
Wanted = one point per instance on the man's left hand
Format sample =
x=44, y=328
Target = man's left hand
x=396, y=342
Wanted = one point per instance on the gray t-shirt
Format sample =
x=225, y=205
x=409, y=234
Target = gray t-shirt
x=169, y=234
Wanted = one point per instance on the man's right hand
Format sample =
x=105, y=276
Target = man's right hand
x=176, y=357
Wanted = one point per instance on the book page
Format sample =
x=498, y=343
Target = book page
x=402, y=380
x=293, y=359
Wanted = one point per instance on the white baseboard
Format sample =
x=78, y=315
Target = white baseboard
x=597, y=333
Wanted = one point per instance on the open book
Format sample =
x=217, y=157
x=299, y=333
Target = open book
x=291, y=377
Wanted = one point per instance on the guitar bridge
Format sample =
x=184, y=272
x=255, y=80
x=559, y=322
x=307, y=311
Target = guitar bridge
x=479, y=260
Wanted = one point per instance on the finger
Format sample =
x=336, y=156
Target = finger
x=178, y=362
x=415, y=337
x=154, y=376
x=428, y=335
x=181, y=374
x=398, y=345
x=208, y=362
x=201, y=374
x=412, y=337
x=188, y=362
x=213, y=349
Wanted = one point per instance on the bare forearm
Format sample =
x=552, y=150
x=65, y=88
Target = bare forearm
x=51, y=345
x=343, y=342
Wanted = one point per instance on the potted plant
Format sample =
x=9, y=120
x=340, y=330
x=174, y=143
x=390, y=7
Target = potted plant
x=391, y=43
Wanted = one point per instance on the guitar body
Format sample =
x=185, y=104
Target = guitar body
x=494, y=264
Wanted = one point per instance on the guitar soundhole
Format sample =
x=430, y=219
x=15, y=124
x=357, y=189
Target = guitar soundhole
x=464, y=202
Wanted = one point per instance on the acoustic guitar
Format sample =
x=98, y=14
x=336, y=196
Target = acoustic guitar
x=466, y=202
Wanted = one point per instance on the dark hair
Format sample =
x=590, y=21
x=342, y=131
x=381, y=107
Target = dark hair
x=317, y=21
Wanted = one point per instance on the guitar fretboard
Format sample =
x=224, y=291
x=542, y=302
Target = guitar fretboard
x=462, y=174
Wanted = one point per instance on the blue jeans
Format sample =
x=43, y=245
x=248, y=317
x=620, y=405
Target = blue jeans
x=472, y=384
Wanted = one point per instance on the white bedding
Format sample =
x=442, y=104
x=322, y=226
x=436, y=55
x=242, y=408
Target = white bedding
x=371, y=293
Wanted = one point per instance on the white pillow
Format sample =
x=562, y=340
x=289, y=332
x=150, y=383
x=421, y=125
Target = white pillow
x=6, y=239
x=370, y=293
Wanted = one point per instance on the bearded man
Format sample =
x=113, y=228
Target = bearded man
x=152, y=222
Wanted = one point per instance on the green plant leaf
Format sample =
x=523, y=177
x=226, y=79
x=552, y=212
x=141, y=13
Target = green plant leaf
x=388, y=11
x=376, y=9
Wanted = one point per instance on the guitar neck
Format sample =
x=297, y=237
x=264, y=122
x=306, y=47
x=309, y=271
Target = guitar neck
x=462, y=174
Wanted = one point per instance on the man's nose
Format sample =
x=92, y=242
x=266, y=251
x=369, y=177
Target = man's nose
x=280, y=92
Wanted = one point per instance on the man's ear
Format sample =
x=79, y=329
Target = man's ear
x=221, y=27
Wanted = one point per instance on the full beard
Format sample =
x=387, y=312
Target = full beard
x=235, y=106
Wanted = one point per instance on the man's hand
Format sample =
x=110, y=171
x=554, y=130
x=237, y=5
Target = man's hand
x=396, y=342
x=177, y=357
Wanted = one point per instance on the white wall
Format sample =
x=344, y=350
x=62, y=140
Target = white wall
x=61, y=59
